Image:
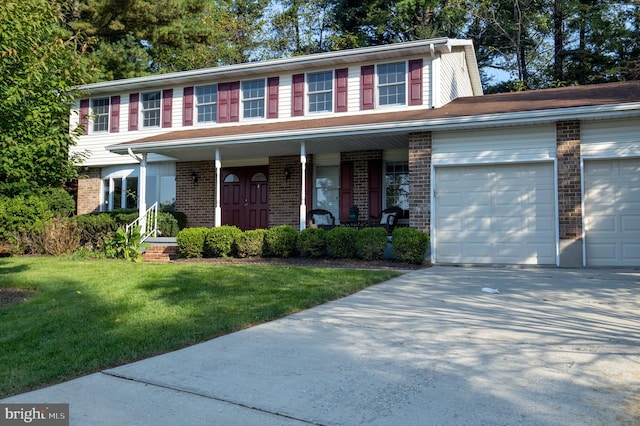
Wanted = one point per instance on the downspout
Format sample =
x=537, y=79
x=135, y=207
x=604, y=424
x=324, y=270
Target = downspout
x=303, y=186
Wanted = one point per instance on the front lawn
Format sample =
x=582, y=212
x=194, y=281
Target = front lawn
x=83, y=316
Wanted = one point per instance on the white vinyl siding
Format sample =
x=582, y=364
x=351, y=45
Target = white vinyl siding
x=503, y=214
x=610, y=138
x=454, y=76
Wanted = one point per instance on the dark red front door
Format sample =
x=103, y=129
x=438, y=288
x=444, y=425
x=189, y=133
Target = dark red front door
x=245, y=202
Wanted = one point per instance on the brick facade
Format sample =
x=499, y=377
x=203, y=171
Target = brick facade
x=569, y=180
x=420, y=148
x=361, y=177
x=89, y=188
x=196, y=200
x=284, y=194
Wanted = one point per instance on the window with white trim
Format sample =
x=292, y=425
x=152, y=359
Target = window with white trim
x=151, y=103
x=396, y=184
x=253, y=98
x=320, y=91
x=100, y=114
x=392, y=84
x=327, y=189
x=207, y=103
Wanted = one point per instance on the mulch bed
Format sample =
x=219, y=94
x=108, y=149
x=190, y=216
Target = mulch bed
x=12, y=296
x=317, y=262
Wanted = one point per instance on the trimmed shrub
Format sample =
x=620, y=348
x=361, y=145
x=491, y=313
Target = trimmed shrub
x=312, y=242
x=341, y=242
x=124, y=216
x=371, y=243
x=94, y=228
x=281, y=241
x=409, y=245
x=167, y=225
x=191, y=242
x=250, y=243
x=219, y=241
x=59, y=201
x=180, y=217
x=22, y=215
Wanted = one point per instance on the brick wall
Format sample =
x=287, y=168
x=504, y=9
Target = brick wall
x=284, y=194
x=89, y=187
x=420, y=180
x=569, y=180
x=361, y=177
x=197, y=201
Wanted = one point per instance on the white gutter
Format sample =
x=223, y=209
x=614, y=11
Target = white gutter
x=523, y=118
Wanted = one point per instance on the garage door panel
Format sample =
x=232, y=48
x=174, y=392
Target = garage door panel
x=505, y=214
x=612, y=212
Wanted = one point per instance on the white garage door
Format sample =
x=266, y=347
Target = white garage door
x=612, y=212
x=495, y=214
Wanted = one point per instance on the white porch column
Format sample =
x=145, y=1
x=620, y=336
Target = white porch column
x=303, y=186
x=218, y=209
x=123, y=193
x=142, y=186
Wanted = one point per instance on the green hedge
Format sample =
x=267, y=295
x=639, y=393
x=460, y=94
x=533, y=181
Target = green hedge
x=409, y=245
x=281, y=241
x=341, y=242
x=312, y=242
x=250, y=243
x=220, y=241
x=371, y=243
x=191, y=242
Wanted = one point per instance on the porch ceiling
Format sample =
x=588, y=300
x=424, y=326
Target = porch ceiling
x=249, y=149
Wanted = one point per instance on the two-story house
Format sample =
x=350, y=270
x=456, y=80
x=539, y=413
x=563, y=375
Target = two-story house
x=542, y=177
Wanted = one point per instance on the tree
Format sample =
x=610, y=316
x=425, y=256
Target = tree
x=39, y=66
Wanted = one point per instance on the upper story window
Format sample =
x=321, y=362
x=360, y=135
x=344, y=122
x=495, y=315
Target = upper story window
x=320, y=91
x=100, y=114
x=253, y=98
x=151, y=109
x=392, y=84
x=207, y=103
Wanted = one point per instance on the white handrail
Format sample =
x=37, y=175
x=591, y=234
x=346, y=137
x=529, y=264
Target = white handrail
x=148, y=223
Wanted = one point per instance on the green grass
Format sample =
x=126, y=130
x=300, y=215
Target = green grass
x=87, y=315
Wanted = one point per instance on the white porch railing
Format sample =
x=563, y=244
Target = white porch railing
x=148, y=223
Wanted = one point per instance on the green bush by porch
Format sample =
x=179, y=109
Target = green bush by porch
x=409, y=245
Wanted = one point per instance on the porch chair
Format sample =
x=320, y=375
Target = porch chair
x=388, y=219
x=319, y=218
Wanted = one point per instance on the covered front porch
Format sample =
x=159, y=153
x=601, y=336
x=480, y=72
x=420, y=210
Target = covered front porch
x=269, y=180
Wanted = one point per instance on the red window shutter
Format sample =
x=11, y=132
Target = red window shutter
x=298, y=95
x=415, y=82
x=167, y=106
x=84, y=116
x=375, y=188
x=228, y=102
x=234, y=101
x=367, y=87
x=114, y=119
x=134, y=98
x=342, y=77
x=346, y=189
x=272, y=95
x=187, y=107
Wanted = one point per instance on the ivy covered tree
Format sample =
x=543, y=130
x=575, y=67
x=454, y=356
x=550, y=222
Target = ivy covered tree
x=39, y=65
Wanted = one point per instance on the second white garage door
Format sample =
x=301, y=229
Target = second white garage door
x=495, y=214
x=612, y=212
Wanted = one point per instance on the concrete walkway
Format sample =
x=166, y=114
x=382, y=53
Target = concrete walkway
x=554, y=347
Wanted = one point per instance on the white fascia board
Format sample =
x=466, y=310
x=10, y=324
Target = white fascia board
x=440, y=124
x=274, y=65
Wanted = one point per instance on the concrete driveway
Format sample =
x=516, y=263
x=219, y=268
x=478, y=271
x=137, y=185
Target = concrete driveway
x=554, y=347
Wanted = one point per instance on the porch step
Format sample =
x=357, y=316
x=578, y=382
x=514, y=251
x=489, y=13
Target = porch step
x=158, y=253
x=161, y=249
